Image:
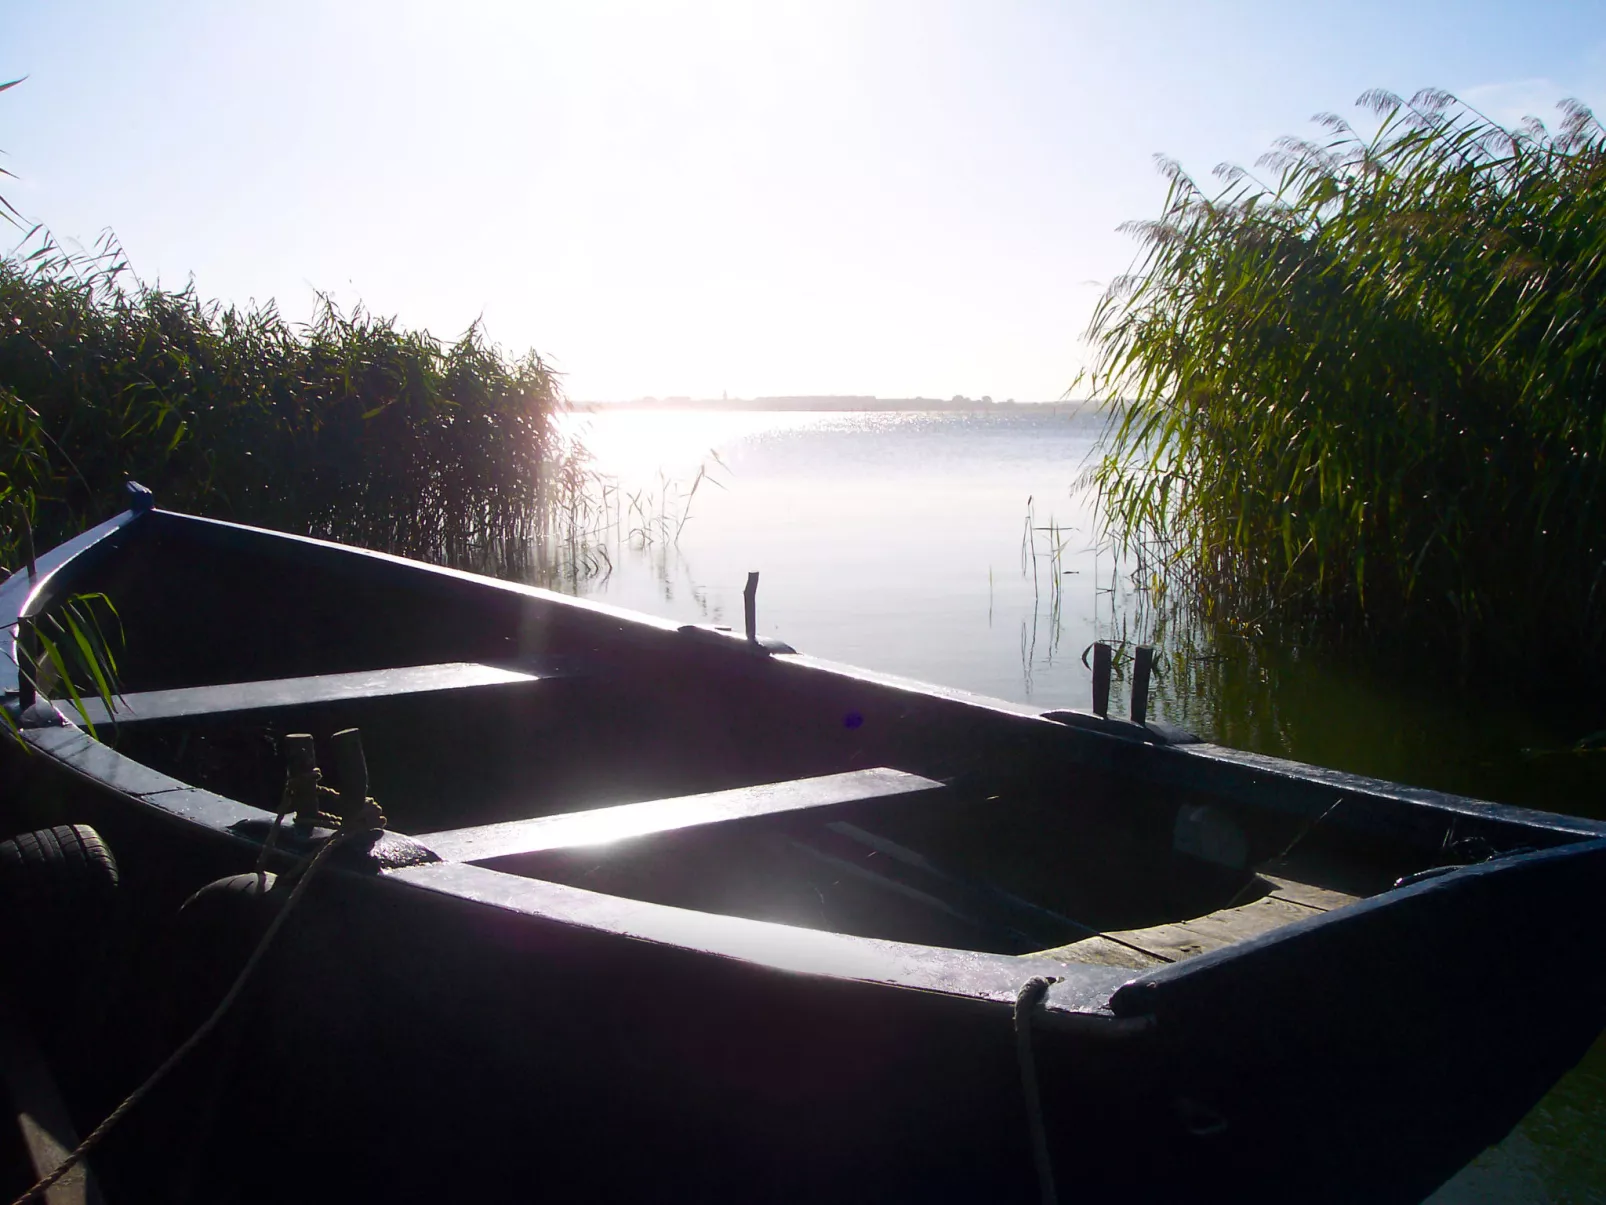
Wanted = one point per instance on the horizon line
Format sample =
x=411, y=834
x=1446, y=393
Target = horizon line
x=845, y=402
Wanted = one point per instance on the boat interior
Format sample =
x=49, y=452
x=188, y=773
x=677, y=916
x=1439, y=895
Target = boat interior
x=563, y=741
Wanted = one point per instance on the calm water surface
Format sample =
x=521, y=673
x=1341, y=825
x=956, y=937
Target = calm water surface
x=900, y=542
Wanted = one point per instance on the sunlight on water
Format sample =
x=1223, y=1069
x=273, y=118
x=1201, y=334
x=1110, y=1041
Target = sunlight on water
x=635, y=446
x=888, y=540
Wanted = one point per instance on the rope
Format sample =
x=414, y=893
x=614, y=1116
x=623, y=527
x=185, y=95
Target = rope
x=1027, y=1001
x=267, y=849
x=301, y=795
x=195, y=1039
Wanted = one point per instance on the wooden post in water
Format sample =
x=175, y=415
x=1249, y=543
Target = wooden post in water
x=1142, y=663
x=1101, y=678
x=750, y=606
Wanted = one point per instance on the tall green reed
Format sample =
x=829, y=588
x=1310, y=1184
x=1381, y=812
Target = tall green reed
x=350, y=427
x=1371, y=392
x=8, y=211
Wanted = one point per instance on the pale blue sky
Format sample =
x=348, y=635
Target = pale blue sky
x=760, y=198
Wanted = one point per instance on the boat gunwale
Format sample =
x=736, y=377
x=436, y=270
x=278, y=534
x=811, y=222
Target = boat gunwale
x=1112, y=731
x=921, y=967
x=1286, y=771
x=1092, y=731
x=22, y=591
x=1136, y=997
x=1080, y=991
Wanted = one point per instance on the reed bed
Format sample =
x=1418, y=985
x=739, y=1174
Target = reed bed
x=1370, y=393
x=350, y=427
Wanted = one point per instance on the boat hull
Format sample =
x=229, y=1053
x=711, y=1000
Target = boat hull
x=429, y=1029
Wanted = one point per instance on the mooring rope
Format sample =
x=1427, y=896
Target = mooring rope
x=1027, y=1001
x=302, y=791
x=195, y=1039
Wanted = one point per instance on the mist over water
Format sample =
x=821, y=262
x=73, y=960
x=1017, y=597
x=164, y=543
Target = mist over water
x=894, y=541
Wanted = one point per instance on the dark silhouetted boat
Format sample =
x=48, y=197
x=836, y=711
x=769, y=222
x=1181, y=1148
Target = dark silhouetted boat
x=670, y=913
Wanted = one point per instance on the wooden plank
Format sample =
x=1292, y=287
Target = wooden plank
x=1184, y=939
x=196, y=701
x=601, y=825
x=1143, y=948
x=1101, y=951
x=1320, y=898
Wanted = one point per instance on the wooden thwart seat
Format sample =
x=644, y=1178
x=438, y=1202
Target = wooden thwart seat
x=196, y=701
x=601, y=825
x=1287, y=901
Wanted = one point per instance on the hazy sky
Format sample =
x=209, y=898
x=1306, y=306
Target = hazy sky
x=761, y=198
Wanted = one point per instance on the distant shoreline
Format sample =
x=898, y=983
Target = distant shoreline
x=828, y=403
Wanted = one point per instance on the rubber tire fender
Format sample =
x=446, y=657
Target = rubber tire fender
x=208, y=942
x=58, y=890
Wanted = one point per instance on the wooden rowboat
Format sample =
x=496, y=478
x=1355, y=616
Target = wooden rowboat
x=667, y=913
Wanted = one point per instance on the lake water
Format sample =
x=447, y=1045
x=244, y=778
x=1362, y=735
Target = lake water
x=900, y=542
